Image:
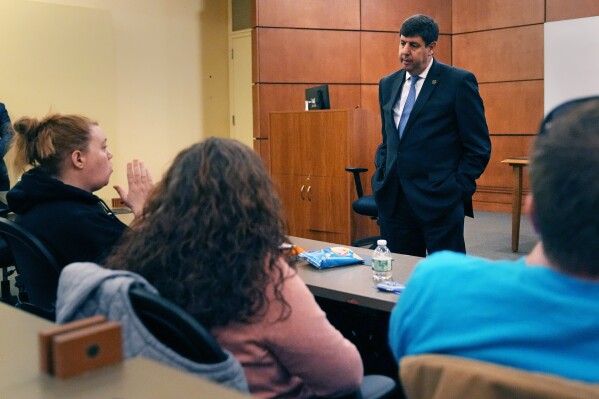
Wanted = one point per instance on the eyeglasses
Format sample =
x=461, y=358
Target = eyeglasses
x=290, y=249
x=560, y=109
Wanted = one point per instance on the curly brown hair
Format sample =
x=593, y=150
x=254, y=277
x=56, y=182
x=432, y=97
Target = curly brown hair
x=209, y=235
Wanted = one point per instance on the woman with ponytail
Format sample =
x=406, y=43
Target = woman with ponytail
x=54, y=200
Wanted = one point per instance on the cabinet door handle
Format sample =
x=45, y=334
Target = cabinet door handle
x=308, y=193
x=302, y=192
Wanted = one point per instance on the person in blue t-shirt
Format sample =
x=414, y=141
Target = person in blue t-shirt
x=539, y=313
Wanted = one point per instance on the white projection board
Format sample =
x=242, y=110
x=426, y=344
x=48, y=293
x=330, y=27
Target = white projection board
x=571, y=60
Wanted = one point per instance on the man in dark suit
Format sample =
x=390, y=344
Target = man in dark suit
x=435, y=145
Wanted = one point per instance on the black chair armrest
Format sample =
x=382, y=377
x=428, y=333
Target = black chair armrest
x=175, y=328
x=356, y=172
x=48, y=314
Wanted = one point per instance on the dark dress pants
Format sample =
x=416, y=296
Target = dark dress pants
x=407, y=234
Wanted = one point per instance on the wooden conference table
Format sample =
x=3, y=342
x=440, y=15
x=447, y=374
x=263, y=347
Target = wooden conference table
x=353, y=284
x=517, y=165
x=134, y=378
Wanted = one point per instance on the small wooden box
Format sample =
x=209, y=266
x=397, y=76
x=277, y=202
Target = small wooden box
x=118, y=203
x=80, y=346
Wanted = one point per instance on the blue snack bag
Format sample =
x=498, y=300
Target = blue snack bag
x=331, y=257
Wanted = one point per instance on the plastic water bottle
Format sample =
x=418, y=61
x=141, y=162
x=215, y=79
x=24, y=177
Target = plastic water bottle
x=382, y=263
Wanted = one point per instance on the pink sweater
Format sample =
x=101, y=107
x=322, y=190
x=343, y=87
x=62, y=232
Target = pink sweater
x=301, y=356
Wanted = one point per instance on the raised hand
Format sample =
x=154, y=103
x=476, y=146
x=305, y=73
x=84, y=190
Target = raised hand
x=140, y=184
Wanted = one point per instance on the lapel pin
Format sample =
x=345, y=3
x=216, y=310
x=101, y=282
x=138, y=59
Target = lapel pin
x=434, y=82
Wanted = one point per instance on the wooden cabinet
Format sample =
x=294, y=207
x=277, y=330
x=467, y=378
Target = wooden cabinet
x=309, y=152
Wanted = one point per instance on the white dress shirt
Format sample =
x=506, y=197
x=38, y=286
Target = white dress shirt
x=398, y=108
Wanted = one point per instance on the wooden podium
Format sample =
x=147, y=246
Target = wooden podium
x=309, y=152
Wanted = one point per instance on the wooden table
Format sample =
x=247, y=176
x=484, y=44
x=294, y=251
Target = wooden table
x=517, y=165
x=134, y=378
x=354, y=306
x=353, y=284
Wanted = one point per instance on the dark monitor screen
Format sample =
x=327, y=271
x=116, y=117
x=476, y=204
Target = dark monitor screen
x=318, y=97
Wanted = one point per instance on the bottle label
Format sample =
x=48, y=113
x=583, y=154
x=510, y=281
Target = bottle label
x=381, y=265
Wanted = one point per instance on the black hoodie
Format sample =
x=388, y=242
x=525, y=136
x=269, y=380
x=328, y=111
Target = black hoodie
x=75, y=225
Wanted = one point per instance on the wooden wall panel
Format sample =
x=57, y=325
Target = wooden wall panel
x=262, y=147
x=558, y=10
x=493, y=201
x=370, y=100
x=388, y=15
x=494, y=191
x=379, y=54
x=513, y=107
x=308, y=56
x=255, y=59
x=329, y=14
x=443, y=50
x=501, y=55
x=256, y=102
x=264, y=151
x=471, y=16
x=498, y=174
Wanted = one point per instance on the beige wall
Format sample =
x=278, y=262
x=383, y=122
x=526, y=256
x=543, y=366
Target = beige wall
x=152, y=72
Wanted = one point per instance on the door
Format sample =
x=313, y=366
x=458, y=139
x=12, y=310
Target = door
x=241, y=110
x=293, y=193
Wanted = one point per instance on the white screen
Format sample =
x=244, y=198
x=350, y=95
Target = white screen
x=571, y=60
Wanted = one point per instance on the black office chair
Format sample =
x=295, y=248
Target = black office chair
x=8, y=269
x=179, y=331
x=6, y=260
x=175, y=328
x=364, y=205
x=37, y=270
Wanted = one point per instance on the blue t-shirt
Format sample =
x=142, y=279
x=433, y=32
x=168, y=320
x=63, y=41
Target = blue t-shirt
x=505, y=312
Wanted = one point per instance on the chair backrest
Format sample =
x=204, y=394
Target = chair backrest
x=444, y=377
x=175, y=328
x=3, y=204
x=38, y=270
x=7, y=266
x=364, y=205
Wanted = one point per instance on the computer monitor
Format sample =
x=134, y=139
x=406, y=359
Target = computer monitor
x=318, y=97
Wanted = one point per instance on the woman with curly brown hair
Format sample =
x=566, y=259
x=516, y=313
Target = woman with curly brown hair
x=209, y=241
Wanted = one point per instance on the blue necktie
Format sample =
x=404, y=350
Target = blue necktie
x=407, y=108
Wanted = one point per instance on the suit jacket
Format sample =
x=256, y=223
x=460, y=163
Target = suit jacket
x=445, y=146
